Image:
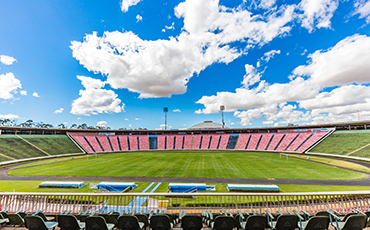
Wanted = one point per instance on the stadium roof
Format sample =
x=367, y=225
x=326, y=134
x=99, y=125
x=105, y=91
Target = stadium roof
x=207, y=125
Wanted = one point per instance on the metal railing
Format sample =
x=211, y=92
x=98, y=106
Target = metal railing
x=54, y=203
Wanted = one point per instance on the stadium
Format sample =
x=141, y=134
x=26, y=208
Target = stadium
x=205, y=168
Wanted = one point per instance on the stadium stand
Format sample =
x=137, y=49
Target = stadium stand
x=103, y=140
x=143, y=142
x=196, y=141
x=232, y=141
x=153, y=142
x=215, y=139
x=224, y=140
x=205, y=141
x=275, y=141
x=83, y=143
x=170, y=141
x=298, y=141
x=188, y=141
x=179, y=141
x=161, y=141
x=123, y=142
x=254, y=141
x=311, y=140
x=243, y=141
x=114, y=142
x=133, y=142
x=91, y=139
x=288, y=138
x=265, y=140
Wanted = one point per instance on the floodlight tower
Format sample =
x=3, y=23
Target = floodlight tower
x=222, y=108
x=165, y=110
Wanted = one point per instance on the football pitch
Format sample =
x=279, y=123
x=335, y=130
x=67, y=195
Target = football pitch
x=198, y=164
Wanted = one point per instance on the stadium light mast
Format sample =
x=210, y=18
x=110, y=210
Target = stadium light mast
x=222, y=108
x=165, y=110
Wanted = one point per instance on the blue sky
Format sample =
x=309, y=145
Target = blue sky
x=118, y=63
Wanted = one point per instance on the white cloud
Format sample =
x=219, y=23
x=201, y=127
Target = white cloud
x=139, y=18
x=35, y=94
x=7, y=60
x=125, y=4
x=101, y=124
x=268, y=55
x=23, y=92
x=208, y=31
x=176, y=111
x=251, y=77
x=59, y=111
x=333, y=83
x=317, y=13
x=126, y=119
x=171, y=27
x=137, y=119
x=362, y=7
x=8, y=85
x=94, y=99
x=266, y=4
x=9, y=116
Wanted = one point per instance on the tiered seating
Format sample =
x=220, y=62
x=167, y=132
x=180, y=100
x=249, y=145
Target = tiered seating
x=187, y=141
x=179, y=140
x=133, y=142
x=214, y=141
x=224, y=140
x=94, y=143
x=103, y=140
x=289, y=137
x=205, y=141
x=254, y=141
x=315, y=137
x=196, y=141
x=243, y=141
x=170, y=141
x=114, y=142
x=81, y=140
x=144, y=142
x=298, y=141
x=123, y=142
x=266, y=137
x=161, y=141
x=275, y=141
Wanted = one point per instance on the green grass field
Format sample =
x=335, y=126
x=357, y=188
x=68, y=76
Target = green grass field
x=53, y=144
x=344, y=142
x=204, y=164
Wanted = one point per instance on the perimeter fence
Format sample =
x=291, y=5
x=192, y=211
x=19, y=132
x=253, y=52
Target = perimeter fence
x=54, y=203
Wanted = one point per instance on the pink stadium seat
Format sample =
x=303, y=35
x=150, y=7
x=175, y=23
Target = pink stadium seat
x=289, y=137
x=123, y=142
x=103, y=139
x=93, y=142
x=196, y=141
x=254, y=141
x=114, y=142
x=205, y=141
x=266, y=137
x=275, y=141
x=179, y=140
x=312, y=140
x=133, y=142
x=214, y=141
x=298, y=141
x=81, y=140
x=242, y=141
x=161, y=141
x=188, y=140
x=170, y=141
x=224, y=141
x=144, y=142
